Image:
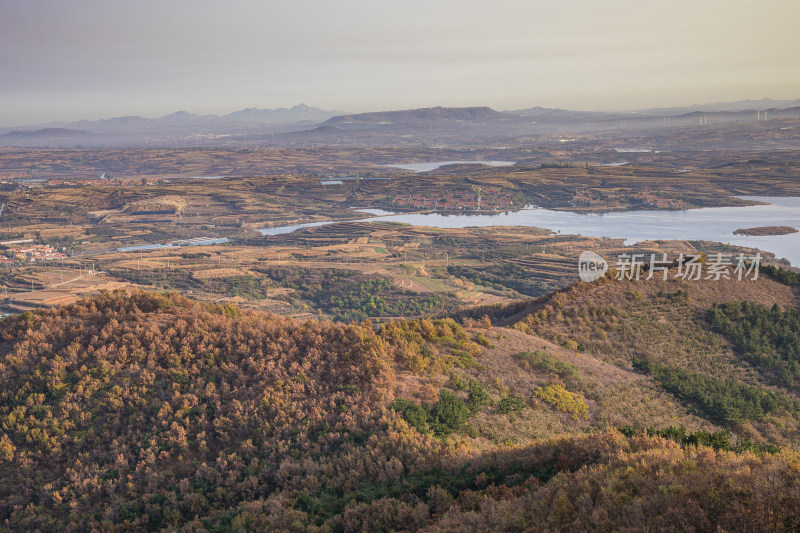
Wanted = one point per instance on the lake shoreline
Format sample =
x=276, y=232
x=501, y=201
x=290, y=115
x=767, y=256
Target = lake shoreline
x=715, y=224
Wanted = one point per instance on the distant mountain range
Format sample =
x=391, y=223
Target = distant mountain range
x=765, y=104
x=180, y=127
x=252, y=115
x=49, y=133
x=302, y=124
x=443, y=116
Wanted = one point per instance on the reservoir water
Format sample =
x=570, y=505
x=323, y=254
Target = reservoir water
x=376, y=212
x=708, y=224
x=280, y=230
x=433, y=165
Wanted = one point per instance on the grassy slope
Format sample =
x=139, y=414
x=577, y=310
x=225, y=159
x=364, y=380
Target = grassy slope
x=622, y=320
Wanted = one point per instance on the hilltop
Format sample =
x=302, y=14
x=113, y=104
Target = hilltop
x=139, y=410
x=417, y=116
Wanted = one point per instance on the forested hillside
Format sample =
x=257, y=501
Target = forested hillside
x=144, y=411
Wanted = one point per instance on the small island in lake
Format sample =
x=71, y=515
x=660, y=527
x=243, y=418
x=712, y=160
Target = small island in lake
x=766, y=230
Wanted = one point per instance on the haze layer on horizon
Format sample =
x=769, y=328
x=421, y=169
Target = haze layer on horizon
x=73, y=59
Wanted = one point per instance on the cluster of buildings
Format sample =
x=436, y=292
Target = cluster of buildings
x=32, y=253
x=486, y=200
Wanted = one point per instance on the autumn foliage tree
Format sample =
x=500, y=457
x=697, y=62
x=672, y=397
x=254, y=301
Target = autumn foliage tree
x=141, y=411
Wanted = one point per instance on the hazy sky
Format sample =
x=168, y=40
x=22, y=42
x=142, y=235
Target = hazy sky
x=71, y=59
